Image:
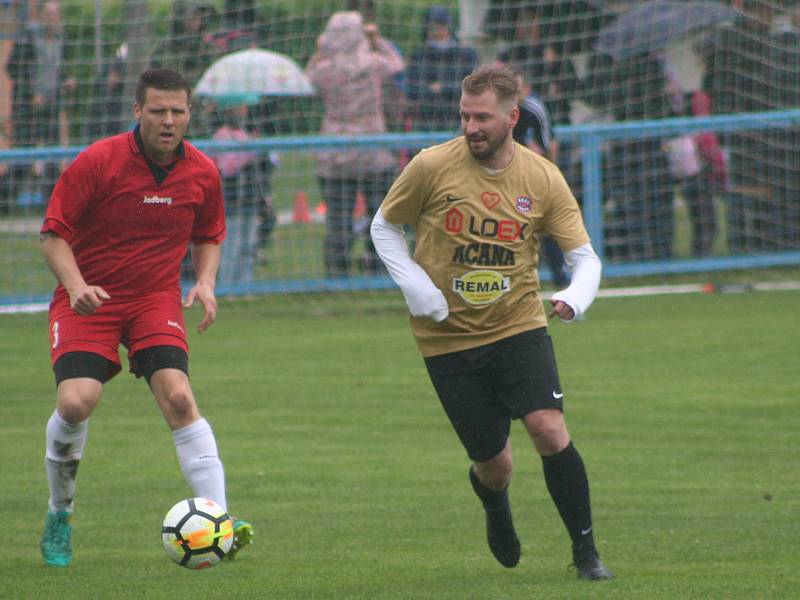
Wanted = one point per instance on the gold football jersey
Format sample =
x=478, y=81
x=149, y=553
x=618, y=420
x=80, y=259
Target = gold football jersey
x=476, y=239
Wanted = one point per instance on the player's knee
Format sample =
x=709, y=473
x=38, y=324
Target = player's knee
x=75, y=405
x=498, y=479
x=548, y=431
x=181, y=406
x=73, y=413
x=496, y=473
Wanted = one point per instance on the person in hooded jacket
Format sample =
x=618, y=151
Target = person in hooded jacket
x=348, y=70
x=435, y=73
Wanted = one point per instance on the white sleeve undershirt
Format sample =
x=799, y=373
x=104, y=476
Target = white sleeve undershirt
x=586, y=269
x=424, y=299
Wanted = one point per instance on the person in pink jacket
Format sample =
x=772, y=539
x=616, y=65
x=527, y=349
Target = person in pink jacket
x=348, y=70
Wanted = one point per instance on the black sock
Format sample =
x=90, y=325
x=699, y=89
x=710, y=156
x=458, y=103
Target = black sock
x=492, y=500
x=568, y=485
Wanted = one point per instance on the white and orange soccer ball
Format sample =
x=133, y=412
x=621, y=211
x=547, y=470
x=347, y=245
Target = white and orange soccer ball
x=197, y=533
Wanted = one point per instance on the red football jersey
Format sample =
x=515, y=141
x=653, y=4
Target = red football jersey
x=128, y=232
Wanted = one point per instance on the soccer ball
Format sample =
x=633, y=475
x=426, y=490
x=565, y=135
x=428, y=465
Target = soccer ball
x=197, y=533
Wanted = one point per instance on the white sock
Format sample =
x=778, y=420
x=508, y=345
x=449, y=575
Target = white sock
x=64, y=444
x=200, y=463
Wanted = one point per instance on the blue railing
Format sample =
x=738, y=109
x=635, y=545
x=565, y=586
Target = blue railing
x=590, y=137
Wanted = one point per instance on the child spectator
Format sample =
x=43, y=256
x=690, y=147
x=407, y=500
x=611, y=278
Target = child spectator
x=245, y=184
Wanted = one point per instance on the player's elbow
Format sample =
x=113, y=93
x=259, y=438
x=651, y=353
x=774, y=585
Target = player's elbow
x=380, y=228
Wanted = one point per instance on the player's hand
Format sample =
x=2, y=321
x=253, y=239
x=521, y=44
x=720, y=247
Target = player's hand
x=561, y=310
x=204, y=294
x=87, y=299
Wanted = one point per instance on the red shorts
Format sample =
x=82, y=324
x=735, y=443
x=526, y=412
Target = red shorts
x=152, y=320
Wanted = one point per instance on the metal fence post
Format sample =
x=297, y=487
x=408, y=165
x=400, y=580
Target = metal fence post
x=593, y=191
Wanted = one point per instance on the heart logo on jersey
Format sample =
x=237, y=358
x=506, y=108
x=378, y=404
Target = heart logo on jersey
x=490, y=199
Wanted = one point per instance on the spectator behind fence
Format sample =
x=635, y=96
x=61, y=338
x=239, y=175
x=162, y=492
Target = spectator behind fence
x=542, y=60
x=435, y=73
x=395, y=99
x=190, y=49
x=246, y=186
x=12, y=19
x=740, y=82
x=265, y=120
x=560, y=87
x=13, y=16
x=186, y=49
x=535, y=131
x=787, y=174
x=37, y=69
x=106, y=115
x=527, y=49
x=348, y=70
x=641, y=223
x=698, y=163
x=238, y=29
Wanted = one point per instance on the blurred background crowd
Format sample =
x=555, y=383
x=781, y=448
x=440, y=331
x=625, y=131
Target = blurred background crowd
x=67, y=73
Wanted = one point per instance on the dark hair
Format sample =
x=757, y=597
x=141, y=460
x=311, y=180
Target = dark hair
x=365, y=7
x=496, y=78
x=161, y=79
x=239, y=14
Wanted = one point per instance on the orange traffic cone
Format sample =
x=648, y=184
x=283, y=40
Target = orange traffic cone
x=360, y=207
x=321, y=209
x=300, y=212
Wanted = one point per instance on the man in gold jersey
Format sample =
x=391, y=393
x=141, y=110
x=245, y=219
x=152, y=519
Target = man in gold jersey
x=477, y=203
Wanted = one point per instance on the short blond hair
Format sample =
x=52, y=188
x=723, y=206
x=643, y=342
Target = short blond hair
x=499, y=79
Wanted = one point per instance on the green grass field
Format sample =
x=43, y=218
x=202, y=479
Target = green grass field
x=684, y=408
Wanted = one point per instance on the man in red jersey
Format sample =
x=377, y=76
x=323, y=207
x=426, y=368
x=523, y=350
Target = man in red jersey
x=116, y=228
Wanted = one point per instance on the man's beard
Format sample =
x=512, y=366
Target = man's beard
x=492, y=146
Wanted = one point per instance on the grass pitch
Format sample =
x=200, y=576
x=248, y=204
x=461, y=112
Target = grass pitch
x=684, y=408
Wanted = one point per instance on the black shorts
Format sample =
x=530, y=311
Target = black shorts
x=482, y=389
x=143, y=364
